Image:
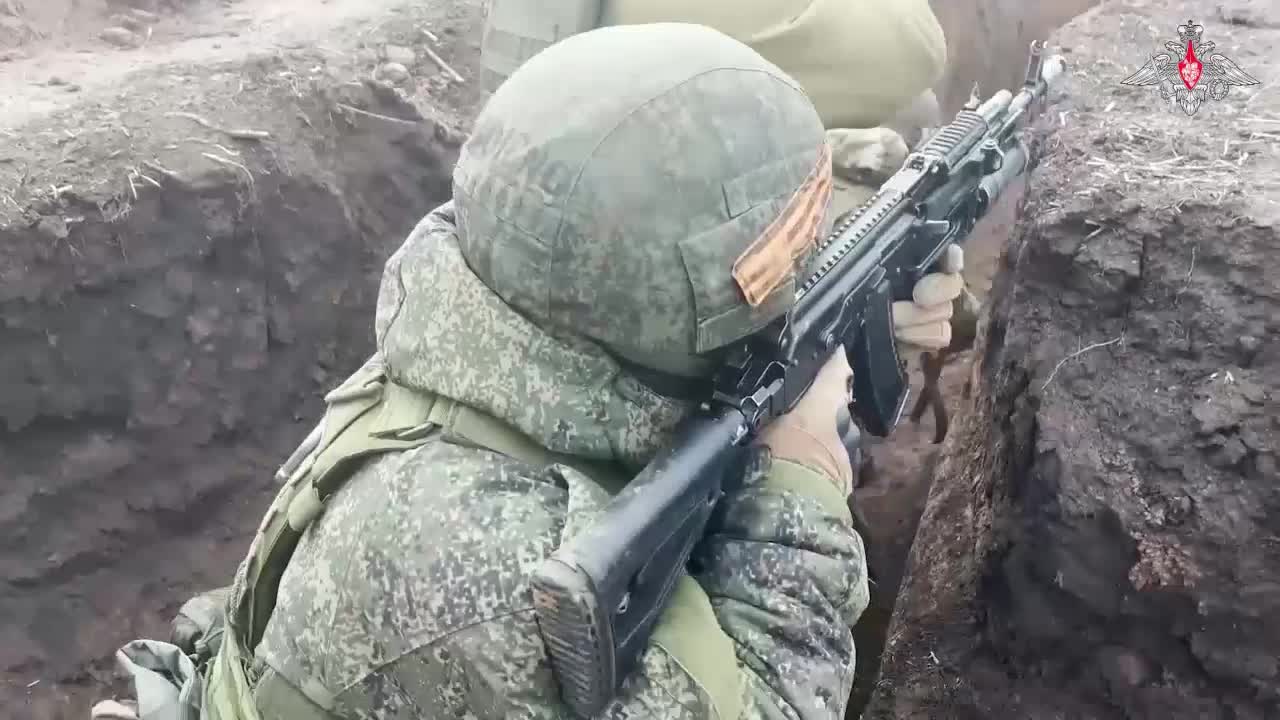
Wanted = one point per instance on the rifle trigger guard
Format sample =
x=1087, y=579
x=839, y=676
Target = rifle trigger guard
x=992, y=157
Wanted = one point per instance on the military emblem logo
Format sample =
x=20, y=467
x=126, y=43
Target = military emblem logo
x=1190, y=72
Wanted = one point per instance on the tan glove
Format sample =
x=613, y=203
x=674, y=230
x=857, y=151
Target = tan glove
x=866, y=156
x=925, y=320
x=199, y=624
x=807, y=435
x=114, y=710
x=917, y=121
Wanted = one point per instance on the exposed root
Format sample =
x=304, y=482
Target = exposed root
x=1077, y=354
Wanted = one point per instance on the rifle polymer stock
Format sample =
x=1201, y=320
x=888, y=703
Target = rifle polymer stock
x=598, y=596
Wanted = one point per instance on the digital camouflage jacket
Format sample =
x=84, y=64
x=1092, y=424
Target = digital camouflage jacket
x=408, y=598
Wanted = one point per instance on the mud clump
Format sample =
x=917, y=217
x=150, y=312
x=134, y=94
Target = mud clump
x=1102, y=539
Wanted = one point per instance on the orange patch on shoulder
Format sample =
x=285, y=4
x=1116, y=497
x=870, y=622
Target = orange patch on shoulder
x=770, y=260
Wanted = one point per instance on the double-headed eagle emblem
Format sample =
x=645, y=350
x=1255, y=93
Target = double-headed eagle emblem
x=1190, y=72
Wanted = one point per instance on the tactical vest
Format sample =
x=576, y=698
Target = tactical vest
x=368, y=416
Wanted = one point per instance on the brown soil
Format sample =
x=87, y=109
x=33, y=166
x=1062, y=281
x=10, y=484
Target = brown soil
x=1102, y=539
x=174, y=301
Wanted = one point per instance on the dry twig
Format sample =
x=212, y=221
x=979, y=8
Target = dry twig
x=435, y=57
x=231, y=163
x=236, y=134
x=388, y=118
x=138, y=174
x=160, y=169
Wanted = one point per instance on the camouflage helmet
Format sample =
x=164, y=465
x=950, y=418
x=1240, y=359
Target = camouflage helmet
x=655, y=188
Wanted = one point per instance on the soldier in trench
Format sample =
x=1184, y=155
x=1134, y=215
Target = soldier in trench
x=869, y=69
x=510, y=395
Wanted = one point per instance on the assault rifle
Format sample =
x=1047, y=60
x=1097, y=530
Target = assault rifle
x=598, y=597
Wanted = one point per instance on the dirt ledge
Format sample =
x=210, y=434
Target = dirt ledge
x=1103, y=536
x=170, y=320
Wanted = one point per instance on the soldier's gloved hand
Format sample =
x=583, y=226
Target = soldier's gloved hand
x=925, y=320
x=916, y=121
x=807, y=435
x=861, y=160
x=866, y=155
x=114, y=710
x=199, y=625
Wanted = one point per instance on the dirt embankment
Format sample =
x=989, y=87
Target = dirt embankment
x=190, y=242
x=987, y=43
x=1103, y=535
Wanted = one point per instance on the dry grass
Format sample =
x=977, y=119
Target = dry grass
x=117, y=150
x=1127, y=151
x=1116, y=141
x=1157, y=153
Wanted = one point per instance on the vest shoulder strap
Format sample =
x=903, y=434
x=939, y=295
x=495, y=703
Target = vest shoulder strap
x=361, y=420
x=364, y=417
